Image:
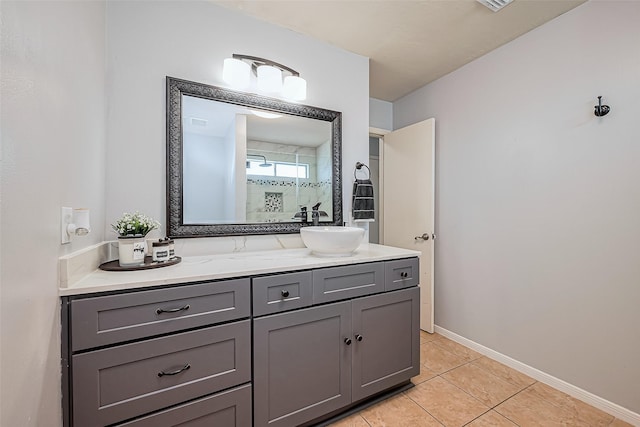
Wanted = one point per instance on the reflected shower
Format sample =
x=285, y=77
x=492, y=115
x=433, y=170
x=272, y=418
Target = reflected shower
x=264, y=163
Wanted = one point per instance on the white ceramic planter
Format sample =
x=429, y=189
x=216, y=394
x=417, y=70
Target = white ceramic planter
x=131, y=250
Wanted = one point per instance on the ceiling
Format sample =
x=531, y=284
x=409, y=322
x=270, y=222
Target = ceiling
x=409, y=42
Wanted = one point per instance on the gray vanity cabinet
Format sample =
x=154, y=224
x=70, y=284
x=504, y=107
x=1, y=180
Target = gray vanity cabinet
x=311, y=362
x=278, y=350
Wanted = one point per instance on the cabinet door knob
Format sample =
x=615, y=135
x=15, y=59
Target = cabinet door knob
x=285, y=294
x=347, y=341
x=358, y=337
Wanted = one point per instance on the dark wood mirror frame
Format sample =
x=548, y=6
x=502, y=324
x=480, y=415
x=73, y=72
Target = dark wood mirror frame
x=175, y=224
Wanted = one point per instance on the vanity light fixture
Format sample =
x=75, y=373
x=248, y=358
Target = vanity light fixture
x=73, y=222
x=238, y=69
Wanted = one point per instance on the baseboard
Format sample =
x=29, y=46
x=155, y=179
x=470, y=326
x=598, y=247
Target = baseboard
x=611, y=408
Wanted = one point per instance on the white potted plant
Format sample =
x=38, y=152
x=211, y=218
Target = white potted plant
x=132, y=229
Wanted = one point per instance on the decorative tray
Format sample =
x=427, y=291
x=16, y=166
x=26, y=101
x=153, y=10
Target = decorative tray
x=148, y=263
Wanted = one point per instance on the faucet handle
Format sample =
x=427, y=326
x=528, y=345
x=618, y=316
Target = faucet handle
x=316, y=206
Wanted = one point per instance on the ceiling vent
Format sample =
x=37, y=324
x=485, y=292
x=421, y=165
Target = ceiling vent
x=198, y=122
x=495, y=5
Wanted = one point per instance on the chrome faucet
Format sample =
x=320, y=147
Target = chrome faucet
x=315, y=214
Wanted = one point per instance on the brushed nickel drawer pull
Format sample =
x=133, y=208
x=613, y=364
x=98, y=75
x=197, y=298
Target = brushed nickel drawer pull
x=184, y=368
x=172, y=310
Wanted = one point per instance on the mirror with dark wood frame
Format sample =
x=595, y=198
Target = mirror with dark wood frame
x=241, y=163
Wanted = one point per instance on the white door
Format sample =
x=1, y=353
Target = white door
x=408, y=180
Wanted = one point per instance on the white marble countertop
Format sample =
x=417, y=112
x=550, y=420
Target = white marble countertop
x=223, y=266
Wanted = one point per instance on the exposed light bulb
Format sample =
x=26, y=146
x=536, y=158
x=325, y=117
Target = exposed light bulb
x=269, y=79
x=295, y=88
x=236, y=73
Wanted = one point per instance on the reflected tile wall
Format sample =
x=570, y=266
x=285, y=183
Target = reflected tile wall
x=308, y=192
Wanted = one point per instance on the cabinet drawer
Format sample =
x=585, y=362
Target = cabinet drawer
x=402, y=273
x=272, y=294
x=112, y=319
x=126, y=381
x=336, y=283
x=230, y=408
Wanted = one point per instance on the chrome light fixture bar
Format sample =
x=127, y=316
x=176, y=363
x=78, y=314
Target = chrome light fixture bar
x=238, y=70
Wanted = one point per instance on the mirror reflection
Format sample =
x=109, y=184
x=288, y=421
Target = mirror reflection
x=240, y=163
x=247, y=165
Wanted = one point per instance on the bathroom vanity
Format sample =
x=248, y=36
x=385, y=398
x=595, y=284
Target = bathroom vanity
x=273, y=338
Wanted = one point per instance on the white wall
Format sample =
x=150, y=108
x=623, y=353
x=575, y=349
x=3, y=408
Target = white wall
x=150, y=40
x=538, y=201
x=52, y=128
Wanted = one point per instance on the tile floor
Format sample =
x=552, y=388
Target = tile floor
x=459, y=387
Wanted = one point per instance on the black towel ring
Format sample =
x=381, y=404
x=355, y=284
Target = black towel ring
x=359, y=167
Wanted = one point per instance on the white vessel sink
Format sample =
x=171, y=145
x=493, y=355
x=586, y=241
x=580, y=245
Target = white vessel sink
x=332, y=241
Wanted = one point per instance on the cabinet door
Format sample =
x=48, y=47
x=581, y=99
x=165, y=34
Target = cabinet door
x=302, y=364
x=386, y=341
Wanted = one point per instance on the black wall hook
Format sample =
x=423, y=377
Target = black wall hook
x=601, y=110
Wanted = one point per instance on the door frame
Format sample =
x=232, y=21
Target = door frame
x=380, y=133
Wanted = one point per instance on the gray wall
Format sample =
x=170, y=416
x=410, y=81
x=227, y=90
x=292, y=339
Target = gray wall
x=52, y=128
x=380, y=114
x=538, y=200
